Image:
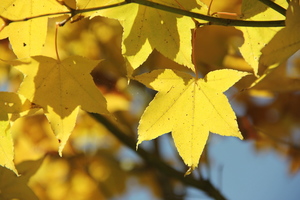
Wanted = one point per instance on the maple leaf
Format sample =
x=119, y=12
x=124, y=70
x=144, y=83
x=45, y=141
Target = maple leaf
x=14, y=187
x=257, y=38
x=143, y=24
x=11, y=106
x=190, y=108
x=287, y=41
x=28, y=37
x=61, y=88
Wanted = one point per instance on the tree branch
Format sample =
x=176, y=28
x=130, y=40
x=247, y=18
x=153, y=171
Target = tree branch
x=274, y=6
x=204, y=185
x=211, y=20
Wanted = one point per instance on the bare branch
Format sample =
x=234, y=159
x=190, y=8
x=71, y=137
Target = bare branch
x=204, y=185
x=274, y=6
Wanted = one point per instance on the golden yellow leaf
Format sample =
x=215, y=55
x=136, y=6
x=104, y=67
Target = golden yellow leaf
x=143, y=24
x=13, y=187
x=6, y=146
x=18, y=9
x=190, y=108
x=257, y=38
x=10, y=104
x=287, y=41
x=28, y=37
x=61, y=88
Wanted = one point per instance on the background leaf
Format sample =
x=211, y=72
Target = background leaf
x=12, y=186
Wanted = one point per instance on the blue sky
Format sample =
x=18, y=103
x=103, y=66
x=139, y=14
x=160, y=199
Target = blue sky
x=248, y=174
x=237, y=169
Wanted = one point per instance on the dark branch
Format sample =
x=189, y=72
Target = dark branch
x=204, y=185
x=274, y=6
x=211, y=20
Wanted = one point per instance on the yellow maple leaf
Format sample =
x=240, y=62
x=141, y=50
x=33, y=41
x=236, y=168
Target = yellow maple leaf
x=190, y=108
x=11, y=105
x=61, y=88
x=28, y=37
x=257, y=38
x=287, y=41
x=142, y=26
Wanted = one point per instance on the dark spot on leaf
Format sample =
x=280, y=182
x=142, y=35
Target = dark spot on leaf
x=24, y=44
x=59, y=141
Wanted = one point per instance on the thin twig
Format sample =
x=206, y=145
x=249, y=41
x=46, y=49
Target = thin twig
x=71, y=12
x=279, y=140
x=204, y=185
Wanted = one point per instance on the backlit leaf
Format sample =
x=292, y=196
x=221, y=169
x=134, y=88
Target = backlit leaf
x=27, y=37
x=190, y=108
x=287, y=41
x=61, y=88
x=143, y=24
x=11, y=105
x=257, y=38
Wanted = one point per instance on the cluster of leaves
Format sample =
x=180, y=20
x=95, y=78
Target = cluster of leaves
x=190, y=101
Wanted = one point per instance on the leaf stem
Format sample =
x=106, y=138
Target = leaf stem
x=204, y=185
x=56, y=49
x=194, y=35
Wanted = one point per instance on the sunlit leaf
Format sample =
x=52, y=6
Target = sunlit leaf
x=11, y=104
x=257, y=38
x=143, y=24
x=190, y=108
x=61, y=88
x=27, y=37
x=287, y=41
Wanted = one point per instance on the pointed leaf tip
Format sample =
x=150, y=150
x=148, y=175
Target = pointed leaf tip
x=189, y=171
